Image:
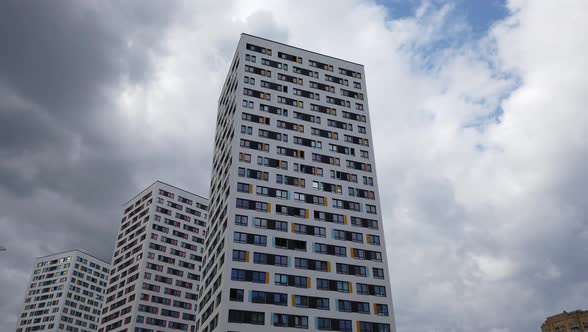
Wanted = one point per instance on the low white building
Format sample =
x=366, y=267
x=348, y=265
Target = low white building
x=65, y=293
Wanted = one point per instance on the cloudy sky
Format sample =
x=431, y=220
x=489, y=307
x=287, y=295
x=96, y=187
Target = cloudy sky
x=479, y=119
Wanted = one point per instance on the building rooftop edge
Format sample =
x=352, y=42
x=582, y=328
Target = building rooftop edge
x=566, y=314
x=74, y=250
x=303, y=49
x=167, y=184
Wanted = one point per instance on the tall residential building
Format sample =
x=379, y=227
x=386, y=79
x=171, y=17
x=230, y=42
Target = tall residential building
x=153, y=284
x=575, y=321
x=65, y=293
x=296, y=239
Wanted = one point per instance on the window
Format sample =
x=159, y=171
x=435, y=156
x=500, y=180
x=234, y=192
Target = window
x=236, y=295
x=239, y=255
x=344, y=306
x=246, y=317
x=366, y=289
x=249, y=80
x=298, y=196
x=286, y=320
x=291, y=244
x=328, y=249
x=347, y=236
x=243, y=187
x=154, y=321
x=363, y=307
x=356, y=270
x=281, y=279
x=281, y=260
x=269, y=298
x=290, y=152
x=246, y=130
x=291, y=211
x=347, y=205
x=343, y=286
x=247, y=104
x=252, y=205
x=366, y=254
x=301, y=263
x=373, y=327
x=330, y=324
x=291, y=280
x=311, y=264
x=302, y=301
x=271, y=192
x=352, y=306
x=270, y=224
x=244, y=157
x=324, y=323
x=259, y=277
x=362, y=289
x=356, y=237
x=308, y=142
x=260, y=240
x=381, y=309
x=274, y=163
x=240, y=237
x=261, y=258
x=274, y=64
x=310, y=230
x=241, y=220
x=272, y=135
x=371, y=209
x=373, y=239
x=290, y=180
x=332, y=285
x=367, y=180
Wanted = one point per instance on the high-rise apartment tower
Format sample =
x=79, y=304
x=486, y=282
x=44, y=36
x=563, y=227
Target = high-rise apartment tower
x=65, y=293
x=296, y=239
x=155, y=274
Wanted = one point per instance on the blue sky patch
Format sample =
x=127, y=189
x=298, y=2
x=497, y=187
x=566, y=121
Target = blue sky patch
x=479, y=15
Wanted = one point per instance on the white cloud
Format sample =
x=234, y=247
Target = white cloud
x=494, y=268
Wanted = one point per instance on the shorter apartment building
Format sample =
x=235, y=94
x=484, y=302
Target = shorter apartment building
x=65, y=293
x=575, y=321
x=155, y=277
